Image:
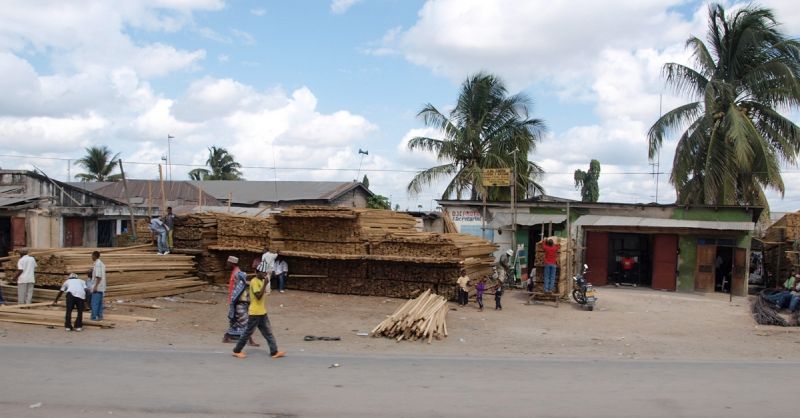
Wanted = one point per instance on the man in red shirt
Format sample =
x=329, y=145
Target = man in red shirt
x=628, y=263
x=550, y=264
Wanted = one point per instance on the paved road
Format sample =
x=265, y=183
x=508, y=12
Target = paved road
x=92, y=382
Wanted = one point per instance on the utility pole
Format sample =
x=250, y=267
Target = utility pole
x=514, y=212
x=169, y=157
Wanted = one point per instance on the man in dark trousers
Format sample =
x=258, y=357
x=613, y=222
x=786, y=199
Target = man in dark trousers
x=76, y=294
x=258, y=317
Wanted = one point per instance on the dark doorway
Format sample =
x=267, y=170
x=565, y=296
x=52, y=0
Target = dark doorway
x=105, y=232
x=629, y=259
x=723, y=268
x=5, y=236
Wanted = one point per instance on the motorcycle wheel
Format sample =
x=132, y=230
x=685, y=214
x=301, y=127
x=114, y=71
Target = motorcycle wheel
x=576, y=294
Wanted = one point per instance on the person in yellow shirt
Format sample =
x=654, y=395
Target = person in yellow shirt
x=258, y=317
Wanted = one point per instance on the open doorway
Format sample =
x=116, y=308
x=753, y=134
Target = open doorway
x=723, y=267
x=5, y=236
x=105, y=232
x=629, y=259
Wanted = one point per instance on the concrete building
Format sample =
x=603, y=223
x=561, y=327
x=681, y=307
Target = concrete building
x=683, y=248
x=38, y=211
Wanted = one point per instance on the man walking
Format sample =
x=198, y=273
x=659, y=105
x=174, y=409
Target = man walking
x=25, y=277
x=98, y=287
x=258, y=318
x=76, y=293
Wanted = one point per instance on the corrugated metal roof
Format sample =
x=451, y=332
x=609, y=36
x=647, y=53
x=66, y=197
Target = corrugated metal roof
x=252, y=192
x=635, y=221
x=15, y=200
x=504, y=219
x=176, y=191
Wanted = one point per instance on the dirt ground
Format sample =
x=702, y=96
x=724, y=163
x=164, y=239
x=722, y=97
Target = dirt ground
x=626, y=324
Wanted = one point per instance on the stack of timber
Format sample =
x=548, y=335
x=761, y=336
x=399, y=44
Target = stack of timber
x=43, y=313
x=782, y=246
x=373, y=252
x=195, y=231
x=563, y=285
x=132, y=272
x=420, y=318
x=143, y=235
x=242, y=233
x=212, y=265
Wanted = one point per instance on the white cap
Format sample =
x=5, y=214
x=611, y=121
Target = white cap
x=509, y=252
x=233, y=260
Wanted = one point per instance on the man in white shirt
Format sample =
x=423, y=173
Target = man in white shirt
x=281, y=271
x=268, y=259
x=160, y=230
x=99, y=286
x=26, y=266
x=76, y=294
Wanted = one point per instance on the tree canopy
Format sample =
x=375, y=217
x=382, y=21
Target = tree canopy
x=487, y=128
x=222, y=166
x=588, y=182
x=733, y=137
x=99, y=164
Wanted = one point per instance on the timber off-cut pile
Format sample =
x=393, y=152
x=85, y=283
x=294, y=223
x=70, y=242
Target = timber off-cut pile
x=420, y=318
x=785, y=229
x=123, y=265
x=212, y=265
x=150, y=289
x=242, y=233
x=195, y=231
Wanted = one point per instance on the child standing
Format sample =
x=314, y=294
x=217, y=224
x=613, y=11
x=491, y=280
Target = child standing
x=479, y=289
x=463, y=288
x=498, y=294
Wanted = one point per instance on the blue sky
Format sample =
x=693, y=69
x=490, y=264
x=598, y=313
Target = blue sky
x=303, y=85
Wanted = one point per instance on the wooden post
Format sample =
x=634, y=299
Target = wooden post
x=149, y=199
x=570, y=260
x=163, y=193
x=128, y=197
x=230, y=197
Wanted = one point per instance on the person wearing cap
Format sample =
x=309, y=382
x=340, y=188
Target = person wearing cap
x=76, y=293
x=233, y=262
x=258, y=318
x=505, y=266
x=25, y=277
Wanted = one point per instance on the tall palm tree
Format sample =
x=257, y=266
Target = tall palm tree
x=222, y=164
x=734, y=138
x=100, y=164
x=486, y=129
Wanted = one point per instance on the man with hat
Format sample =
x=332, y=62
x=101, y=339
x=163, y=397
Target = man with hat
x=504, y=271
x=233, y=262
x=76, y=294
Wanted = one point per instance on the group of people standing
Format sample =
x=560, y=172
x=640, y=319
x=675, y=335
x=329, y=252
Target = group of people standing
x=481, y=287
x=162, y=228
x=247, y=302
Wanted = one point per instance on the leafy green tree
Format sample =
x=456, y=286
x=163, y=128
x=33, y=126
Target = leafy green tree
x=99, y=164
x=378, y=202
x=486, y=129
x=222, y=166
x=365, y=182
x=588, y=182
x=733, y=138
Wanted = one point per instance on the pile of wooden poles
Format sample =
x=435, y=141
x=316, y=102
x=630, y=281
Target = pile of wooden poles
x=765, y=314
x=420, y=318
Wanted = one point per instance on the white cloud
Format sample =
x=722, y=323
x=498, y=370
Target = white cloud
x=341, y=6
x=258, y=12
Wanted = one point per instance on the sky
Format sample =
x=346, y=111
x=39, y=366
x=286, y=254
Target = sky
x=294, y=89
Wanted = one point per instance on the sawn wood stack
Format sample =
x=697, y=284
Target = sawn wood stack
x=420, y=318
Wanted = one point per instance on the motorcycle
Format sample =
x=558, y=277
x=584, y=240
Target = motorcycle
x=582, y=290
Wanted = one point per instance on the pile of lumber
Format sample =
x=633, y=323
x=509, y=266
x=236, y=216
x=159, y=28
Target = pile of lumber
x=43, y=313
x=373, y=252
x=242, y=233
x=195, y=231
x=420, y=318
x=132, y=272
x=563, y=281
x=143, y=235
x=212, y=265
x=782, y=246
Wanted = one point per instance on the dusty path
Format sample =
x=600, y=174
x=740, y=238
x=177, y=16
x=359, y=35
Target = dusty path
x=628, y=323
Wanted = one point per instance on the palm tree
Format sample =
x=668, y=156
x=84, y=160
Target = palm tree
x=99, y=163
x=222, y=164
x=588, y=182
x=734, y=139
x=486, y=129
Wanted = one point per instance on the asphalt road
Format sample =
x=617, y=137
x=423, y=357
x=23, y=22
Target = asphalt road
x=47, y=381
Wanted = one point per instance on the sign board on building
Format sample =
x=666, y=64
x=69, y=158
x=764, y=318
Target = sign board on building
x=497, y=177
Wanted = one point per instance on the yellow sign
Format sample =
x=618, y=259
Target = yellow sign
x=496, y=177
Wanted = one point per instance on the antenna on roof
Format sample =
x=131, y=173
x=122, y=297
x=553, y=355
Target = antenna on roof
x=363, y=153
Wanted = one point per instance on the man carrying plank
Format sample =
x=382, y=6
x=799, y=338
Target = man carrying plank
x=258, y=317
x=76, y=294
